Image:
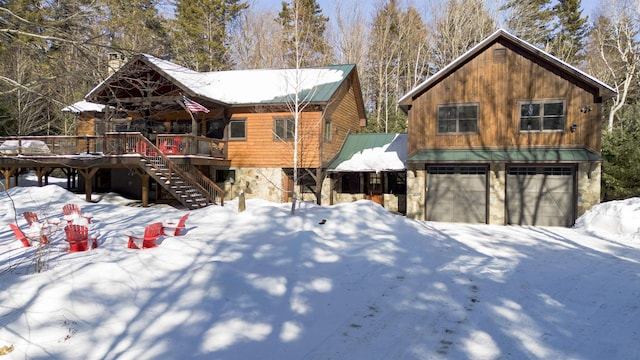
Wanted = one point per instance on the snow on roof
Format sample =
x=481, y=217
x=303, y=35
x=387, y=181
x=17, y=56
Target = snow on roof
x=391, y=156
x=248, y=86
x=83, y=106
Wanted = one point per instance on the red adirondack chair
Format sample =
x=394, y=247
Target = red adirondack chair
x=142, y=148
x=148, y=240
x=31, y=217
x=20, y=235
x=78, y=238
x=30, y=236
x=72, y=212
x=175, y=227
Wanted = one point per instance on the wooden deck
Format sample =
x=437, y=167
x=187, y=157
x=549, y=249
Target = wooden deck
x=88, y=154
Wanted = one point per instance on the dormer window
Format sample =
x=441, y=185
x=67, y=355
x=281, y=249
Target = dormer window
x=542, y=115
x=458, y=118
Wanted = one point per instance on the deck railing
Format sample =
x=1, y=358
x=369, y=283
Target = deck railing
x=135, y=143
x=48, y=145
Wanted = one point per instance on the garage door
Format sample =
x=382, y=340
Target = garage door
x=540, y=196
x=457, y=194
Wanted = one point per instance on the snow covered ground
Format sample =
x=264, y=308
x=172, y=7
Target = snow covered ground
x=366, y=284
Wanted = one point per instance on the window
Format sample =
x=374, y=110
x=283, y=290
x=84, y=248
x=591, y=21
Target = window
x=462, y=118
x=350, y=183
x=396, y=183
x=541, y=115
x=215, y=129
x=284, y=128
x=237, y=129
x=327, y=130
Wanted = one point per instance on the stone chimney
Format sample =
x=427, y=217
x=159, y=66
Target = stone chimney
x=116, y=60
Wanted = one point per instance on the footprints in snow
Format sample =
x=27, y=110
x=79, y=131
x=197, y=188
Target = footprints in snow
x=446, y=341
x=372, y=311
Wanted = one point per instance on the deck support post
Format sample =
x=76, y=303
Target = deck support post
x=88, y=182
x=145, y=189
x=40, y=173
x=71, y=177
x=7, y=173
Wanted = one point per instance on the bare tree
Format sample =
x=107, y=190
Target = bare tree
x=382, y=66
x=257, y=41
x=614, y=38
x=350, y=33
x=464, y=23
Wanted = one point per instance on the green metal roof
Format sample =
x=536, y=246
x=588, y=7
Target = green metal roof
x=511, y=155
x=320, y=93
x=356, y=143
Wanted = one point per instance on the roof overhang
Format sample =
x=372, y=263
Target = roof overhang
x=505, y=155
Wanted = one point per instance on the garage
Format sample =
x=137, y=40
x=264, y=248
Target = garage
x=541, y=195
x=457, y=194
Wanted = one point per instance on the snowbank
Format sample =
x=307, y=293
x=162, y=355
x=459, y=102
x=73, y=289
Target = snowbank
x=619, y=217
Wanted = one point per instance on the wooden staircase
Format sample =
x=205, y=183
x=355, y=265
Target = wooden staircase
x=185, y=183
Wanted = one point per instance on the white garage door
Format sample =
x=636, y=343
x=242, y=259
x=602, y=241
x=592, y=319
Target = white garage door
x=541, y=195
x=457, y=194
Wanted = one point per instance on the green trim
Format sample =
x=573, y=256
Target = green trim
x=511, y=155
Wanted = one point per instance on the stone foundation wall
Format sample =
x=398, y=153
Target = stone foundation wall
x=260, y=183
x=497, y=194
x=266, y=183
x=416, y=194
x=589, y=186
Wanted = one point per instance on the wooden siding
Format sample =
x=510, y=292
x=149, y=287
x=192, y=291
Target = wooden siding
x=85, y=125
x=345, y=120
x=262, y=150
x=497, y=86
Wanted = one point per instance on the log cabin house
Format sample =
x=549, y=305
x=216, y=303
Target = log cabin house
x=142, y=134
x=505, y=134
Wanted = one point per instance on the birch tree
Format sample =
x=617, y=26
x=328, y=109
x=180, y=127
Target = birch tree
x=303, y=26
x=613, y=39
x=382, y=65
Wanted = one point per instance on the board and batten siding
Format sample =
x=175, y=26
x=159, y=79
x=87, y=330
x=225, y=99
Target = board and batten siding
x=497, y=79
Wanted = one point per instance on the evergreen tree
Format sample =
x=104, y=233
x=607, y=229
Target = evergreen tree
x=311, y=45
x=201, y=32
x=621, y=169
x=568, y=43
x=134, y=26
x=26, y=71
x=531, y=20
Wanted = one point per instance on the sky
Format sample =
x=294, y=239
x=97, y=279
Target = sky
x=350, y=281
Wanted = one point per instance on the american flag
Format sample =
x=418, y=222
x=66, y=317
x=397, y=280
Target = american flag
x=193, y=106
